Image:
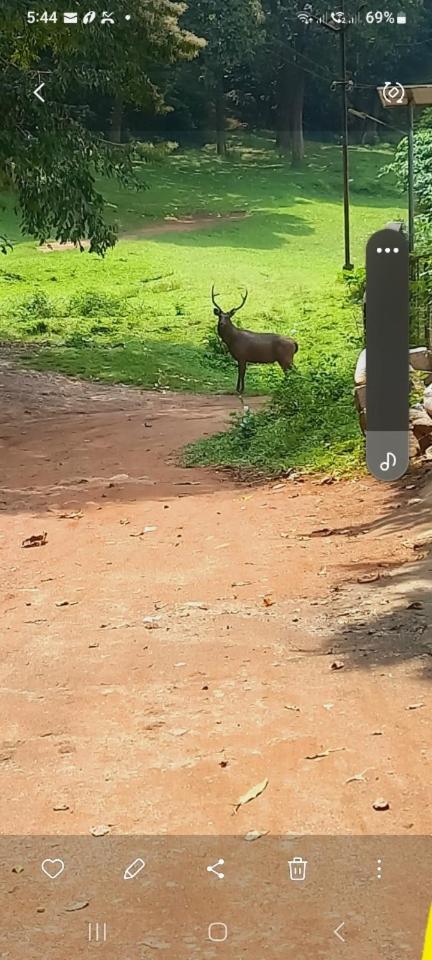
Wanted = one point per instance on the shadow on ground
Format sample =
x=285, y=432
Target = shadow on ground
x=384, y=616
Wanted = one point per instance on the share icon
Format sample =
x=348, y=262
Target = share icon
x=213, y=869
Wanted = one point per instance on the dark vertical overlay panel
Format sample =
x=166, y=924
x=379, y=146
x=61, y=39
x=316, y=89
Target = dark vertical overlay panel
x=387, y=354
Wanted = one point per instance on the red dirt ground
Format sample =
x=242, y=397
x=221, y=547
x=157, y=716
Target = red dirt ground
x=181, y=637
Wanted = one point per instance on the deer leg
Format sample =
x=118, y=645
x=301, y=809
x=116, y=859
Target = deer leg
x=241, y=376
x=285, y=365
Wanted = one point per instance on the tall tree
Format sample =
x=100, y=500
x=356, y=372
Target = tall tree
x=303, y=58
x=232, y=34
x=292, y=49
x=47, y=151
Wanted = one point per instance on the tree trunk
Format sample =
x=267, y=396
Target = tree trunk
x=283, y=141
x=290, y=92
x=117, y=121
x=297, y=100
x=220, y=119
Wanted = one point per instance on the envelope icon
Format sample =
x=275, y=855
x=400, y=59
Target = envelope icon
x=70, y=18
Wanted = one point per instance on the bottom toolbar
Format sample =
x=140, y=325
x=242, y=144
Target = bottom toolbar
x=235, y=897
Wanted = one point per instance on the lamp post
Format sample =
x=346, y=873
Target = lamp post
x=340, y=27
x=347, y=265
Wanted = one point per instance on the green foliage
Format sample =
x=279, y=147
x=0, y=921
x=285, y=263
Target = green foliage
x=311, y=424
x=355, y=282
x=48, y=155
x=422, y=180
x=143, y=314
x=153, y=152
x=422, y=169
x=230, y=32
x=91, y=303
x=37, y=305
x=424, y=120
x=216, y=351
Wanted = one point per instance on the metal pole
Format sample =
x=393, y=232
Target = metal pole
x=347, y=265
x=411, y=175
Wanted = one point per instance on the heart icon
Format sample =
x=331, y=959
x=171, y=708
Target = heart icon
x=52, y=868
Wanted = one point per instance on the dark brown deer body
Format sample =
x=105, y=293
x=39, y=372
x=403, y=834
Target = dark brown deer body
x=249, y=347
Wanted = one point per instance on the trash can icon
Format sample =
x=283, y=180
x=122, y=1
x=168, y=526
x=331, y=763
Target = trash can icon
x=297, y=868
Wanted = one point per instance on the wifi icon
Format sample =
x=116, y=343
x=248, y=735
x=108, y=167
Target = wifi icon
x=304, y=16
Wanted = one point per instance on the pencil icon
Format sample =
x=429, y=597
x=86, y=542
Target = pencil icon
x=134, y=869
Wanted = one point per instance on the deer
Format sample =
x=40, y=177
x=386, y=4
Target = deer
x=245, y=346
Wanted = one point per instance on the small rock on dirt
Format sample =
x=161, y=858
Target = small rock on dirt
x=255, y=835
x=381, y=804
x=100, y=831
x=337, y=665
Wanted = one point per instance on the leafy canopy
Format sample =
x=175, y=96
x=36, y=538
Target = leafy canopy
x=48, y=154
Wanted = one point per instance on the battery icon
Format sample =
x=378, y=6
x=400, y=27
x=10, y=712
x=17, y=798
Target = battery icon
x=401, y=18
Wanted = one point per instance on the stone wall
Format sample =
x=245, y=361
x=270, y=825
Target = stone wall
x=420, y=415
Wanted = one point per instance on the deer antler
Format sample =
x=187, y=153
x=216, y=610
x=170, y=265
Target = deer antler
x=244, y=298
x=213, y=298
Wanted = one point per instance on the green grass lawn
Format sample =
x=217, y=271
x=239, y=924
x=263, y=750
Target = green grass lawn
x=143, y=314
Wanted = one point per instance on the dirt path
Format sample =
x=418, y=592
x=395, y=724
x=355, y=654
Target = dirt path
x=187, y=224
x=176, y=639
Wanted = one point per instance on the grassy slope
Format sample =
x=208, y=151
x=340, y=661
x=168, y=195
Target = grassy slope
x=287, y=252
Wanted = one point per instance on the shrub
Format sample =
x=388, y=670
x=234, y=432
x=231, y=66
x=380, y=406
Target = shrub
x=355, y=284
x=153, y=152
x=311, y=423
x=216, y=352
x=422, y=169
x=38, y=305
x=93, y=303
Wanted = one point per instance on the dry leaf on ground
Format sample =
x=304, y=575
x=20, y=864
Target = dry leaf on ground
x=36, y=540
x=325, y=753
x=322, y=532
x=154, y=944
x=251, y=794
x=358, y=777
x=77, y=905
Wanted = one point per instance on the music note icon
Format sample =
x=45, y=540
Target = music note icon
x=390, y=461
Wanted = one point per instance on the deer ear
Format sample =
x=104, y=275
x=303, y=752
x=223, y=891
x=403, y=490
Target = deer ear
x=216, y=312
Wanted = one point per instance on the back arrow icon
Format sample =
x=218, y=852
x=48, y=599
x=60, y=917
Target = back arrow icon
x=37, y=92
x=338, y=934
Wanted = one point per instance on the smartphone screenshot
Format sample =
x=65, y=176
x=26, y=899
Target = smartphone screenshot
x=215, y=483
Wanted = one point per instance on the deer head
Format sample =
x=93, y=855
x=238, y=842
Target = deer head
x=225, y=317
